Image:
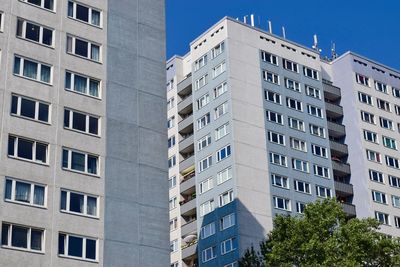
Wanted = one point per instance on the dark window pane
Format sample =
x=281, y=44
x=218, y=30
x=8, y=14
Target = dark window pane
x=22, y=192
x=66, y=118
x=38, y=195
x=8, y=189
x=79, y=121
x=76, y=202
x=81, y=48
x=35, y=2
x=45, y=74
x=93, y=125
x=27, y=108
x=63, y=200
x=80, y=83
x=43, y=112
x=17, y=64
x=94, y=88
x=14, y=104
x=19, y=237
x=61, y=244
x=70, y=9
x=47, y=36
x=30, y=69
x=90, y=249
x=11, y=141
x=49, y=4
x=92, y=206
x=25, y=149
x=75, y=246
x=82, y=13
x=68, y=80
x=36, y=239
x=92, y=164
x=41, y=152
x=78, y=161
x=95, y=17
x=4, y=234
x=19, y=27
x=32, y=32
x=65, y=158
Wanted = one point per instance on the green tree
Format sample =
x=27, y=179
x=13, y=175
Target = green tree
x=324, y=237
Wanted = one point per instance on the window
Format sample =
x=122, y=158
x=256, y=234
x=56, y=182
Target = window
x=207, y=230
x=74, y=202
x=392, y=162
x=220, y=89
x=296, y=124
x=233, y=264
x=34, y=32
x=171, y=141
x=172, y=182
x=368, y=117
x=170, y=103
x=33, y=70
x=294, y=104
x=32, y=150
x=279, y=181
x=290, y=65
x=22, y=237
x=174, y=245
x=80, y=161
x=313, y=74
x=397, y=221
x=46, y=4
x=276, y=138
x=361, y=79
x=217, y=50
x=223, y=153
x=274, y=117
x=1, y=21
x=300, y=207
x=172, y=203
x=171, y=122
x=397, y=110
x=389, y=142
x=270, y=58
x=321, y=171
x=270, y=77
x=25, y=192
x=173, y=224
x=381, y=87
x=77, y=247
x=172, y=161
x=228, y=245
x=300, y=165
x=220, y=110
x=394, y=181
x=281, y=203
x=277, y=159
x=323, y=191
x=292, y=85
x=371, y=136
x=313, y=92
x=376, y=176
x=201, y=62
x=373, y=156
x=221, y=131
x=205, y=163
x=386, y=123
x=78, y=121
x=206, y=185
x=207, y=207
x=227, y=221
x=203, y=121
x=170, y=84
x=209, y=254
x=84, y=13
x=272, y=97
x=30, y=108
x=81, y=84
x=396, y=201
x=383, y=218
x=301, y=186
x=319, y=151
x=203, y=100
x=315, y=111
x=226, y=198
x=224, y=175
x=384, y=105
x=219, y=69
x=298, y=144
x=317, y=130
x=204, y=142
x=396, y=92
x=364, y=98
x=83, y=48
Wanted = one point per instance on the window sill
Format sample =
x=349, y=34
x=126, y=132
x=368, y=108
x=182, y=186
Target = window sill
x=33, y=80
x=23, y=249
x=79, y=214
x=29, y=119
x=80, y=172
x=77, y=258
x=30, y=161
x=25, y=204
x=83, y=94
x=86, y=58
x=81, y=132
x=35, y=42
x=42, y=8
x=86, y=23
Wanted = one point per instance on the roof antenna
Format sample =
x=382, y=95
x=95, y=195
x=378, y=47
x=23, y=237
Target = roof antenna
x=283, y=32
x=315, y=46
x=245, y=19
x=252, y=19
x=334, y=55
x=270, y=26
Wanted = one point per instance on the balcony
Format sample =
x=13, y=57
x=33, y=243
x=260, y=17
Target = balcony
x=185, y=86
x=189, y=228
x=185, y=106
x=349, y=209
x=187, y=144
x=186, y=164
x=188, y=185
x=331, y=92
x=340, y=167
x=333, y=110
x=186, y=124
x=336, y=130
x=189, y=253
x=338, y=149
x=343, y=189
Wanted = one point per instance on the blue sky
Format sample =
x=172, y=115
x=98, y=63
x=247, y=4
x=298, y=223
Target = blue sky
x=367, y=27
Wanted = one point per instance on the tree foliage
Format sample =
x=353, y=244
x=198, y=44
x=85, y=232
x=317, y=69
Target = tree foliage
x=324, y=237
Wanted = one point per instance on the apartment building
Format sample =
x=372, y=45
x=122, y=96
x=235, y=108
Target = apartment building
x=81, y=90
x=254, y=126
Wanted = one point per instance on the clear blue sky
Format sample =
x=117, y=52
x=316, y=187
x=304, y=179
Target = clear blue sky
x=368, y=27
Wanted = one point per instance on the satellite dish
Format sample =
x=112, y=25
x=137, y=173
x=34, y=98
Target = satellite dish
x=190, y=238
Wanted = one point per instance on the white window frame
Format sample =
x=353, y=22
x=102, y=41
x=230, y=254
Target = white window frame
x=34, y=145
x=71, y=49
x=317, y=130
x=280, y=181
x=206, y=207
x=270, y=58
x=302, y=187
x=376, y=176
x=389, y=142
x=294, y=104
x=204, y=254
x=292, y=85
x=22, y=34
x=220, y=110
x=173, y=203
x=286, y=206
x=386, y=123
x=270, y=77
x=322, y=171
x=310, y=73
x=39, y=65
x=172, y=182
x=227, y=221
x=224, y=175
x=217, y=50
x=90, y=15
x=205, y=163
x=42, y=2
x=315, y=111
x=204, y=142
x=296, y=124
x=203, y=121
x=207, y=230
x=368, y=117
x=381, y=87
x=203, y=101
x=220, y=89
x=86, y=154
x=319, y=151
x=373, y=156
x=365, y=98
x=363, y=80
x=273, y=97
x=274, y=117
x=223, y=153
x=298, y=144
x=87, y=122
x=276, y=138
x=394, y=181
x=17, y=113
x=383, y=105
x=392, y=162
x=13, y=190
x=85, y=205
x=206, y=185
x=201, y=62
x=370, y=136
x=383, y=218
x=228, y=246
x=313, y=92
x=323, y=192
x=303, y=167
x=225, y=198
x=219, y=69
x=89, y=80
x=221, y=131
x=277, y=159
x=290, y=65
x=28, y=237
